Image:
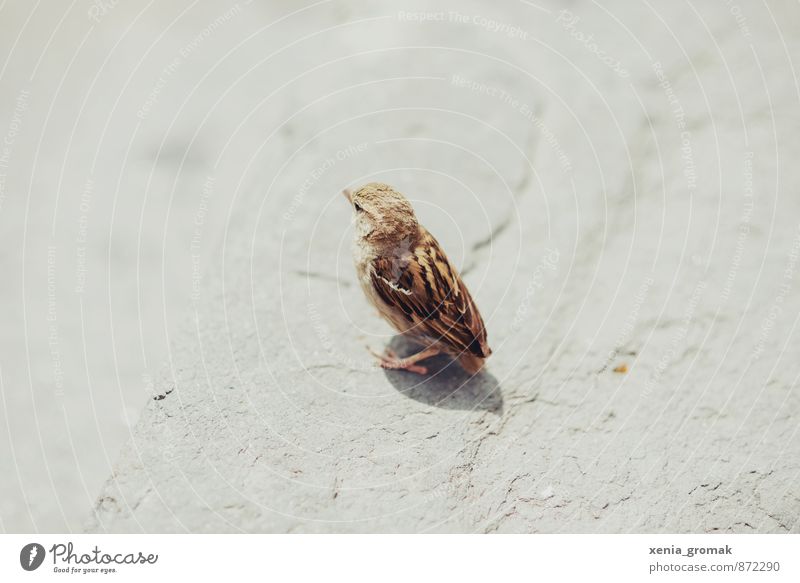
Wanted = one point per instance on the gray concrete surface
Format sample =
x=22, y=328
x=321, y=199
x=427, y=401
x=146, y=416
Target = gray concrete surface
x=619, y=188
x=106, y=219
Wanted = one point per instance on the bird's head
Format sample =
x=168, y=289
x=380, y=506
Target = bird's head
x=382, y=215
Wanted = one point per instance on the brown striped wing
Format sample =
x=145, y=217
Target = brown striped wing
x=428, y=291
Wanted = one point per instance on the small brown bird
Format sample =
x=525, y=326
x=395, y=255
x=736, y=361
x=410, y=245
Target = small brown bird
x=407, y=276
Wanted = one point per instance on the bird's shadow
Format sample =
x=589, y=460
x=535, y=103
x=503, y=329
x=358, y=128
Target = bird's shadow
x=446, y=385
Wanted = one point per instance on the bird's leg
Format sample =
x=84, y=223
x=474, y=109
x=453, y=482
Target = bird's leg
x=390, y=360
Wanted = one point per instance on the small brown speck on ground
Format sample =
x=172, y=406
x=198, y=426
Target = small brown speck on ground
x=621, y=369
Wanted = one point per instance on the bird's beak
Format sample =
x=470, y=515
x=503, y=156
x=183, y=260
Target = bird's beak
x=348, y=195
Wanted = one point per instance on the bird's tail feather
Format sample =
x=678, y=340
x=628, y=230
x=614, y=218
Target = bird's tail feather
x=471, y=363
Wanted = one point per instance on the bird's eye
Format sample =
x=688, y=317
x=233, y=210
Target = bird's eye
x=357, y=207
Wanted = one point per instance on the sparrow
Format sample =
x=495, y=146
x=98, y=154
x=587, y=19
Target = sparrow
x=407, y=276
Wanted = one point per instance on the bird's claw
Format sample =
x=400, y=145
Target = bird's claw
x=390, y=361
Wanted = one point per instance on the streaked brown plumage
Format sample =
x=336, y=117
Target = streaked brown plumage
x=409, y=279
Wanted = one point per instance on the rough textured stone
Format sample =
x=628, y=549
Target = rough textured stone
x=646, y=222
